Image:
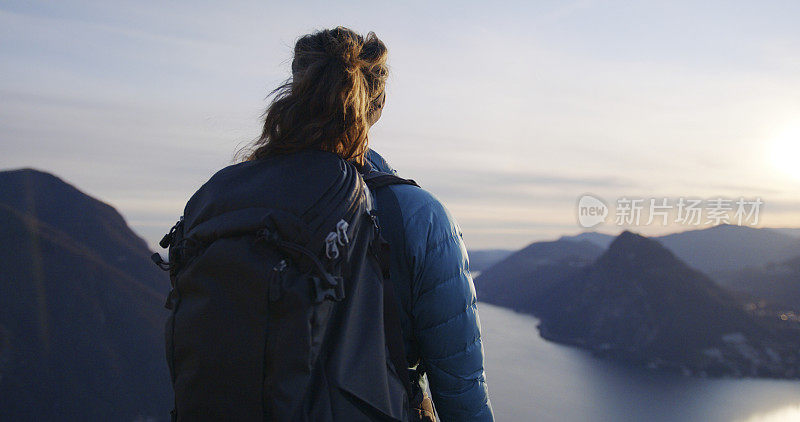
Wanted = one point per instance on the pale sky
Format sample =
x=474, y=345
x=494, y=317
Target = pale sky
x=508, y=112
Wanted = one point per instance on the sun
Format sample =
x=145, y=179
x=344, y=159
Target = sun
x=785, y=152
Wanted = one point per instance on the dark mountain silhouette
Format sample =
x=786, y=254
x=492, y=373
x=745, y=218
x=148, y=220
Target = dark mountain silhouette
x=86, y=220
x=777, y=283
x=640, y=303
x=481, y=259
x=600, y=239
x=720, y=249
x=81, y=316
x=521, y=280
x=726, y=248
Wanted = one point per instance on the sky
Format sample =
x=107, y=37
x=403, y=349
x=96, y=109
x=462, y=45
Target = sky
x=508, y=112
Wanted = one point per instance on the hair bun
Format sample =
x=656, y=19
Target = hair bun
x=345, y=45
x=334, y=95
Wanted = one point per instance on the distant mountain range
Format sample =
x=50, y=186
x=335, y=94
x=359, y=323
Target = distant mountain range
x=720, y=249
x=729, y=248
x=777, y=283
x=81, y=314
x=521, y=280
x=600, y=239
x=638, y=301
x=482, y=259
x=793, y=231
x=717, y=251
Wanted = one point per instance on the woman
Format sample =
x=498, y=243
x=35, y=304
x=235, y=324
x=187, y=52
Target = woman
x=335, y=95
x=286, y=303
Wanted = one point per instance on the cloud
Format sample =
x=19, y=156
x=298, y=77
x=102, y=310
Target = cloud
x=507, y=113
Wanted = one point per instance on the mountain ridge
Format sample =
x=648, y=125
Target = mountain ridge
x=81, y=336
x=82, y=217
x=639, y=302
x=520, y=280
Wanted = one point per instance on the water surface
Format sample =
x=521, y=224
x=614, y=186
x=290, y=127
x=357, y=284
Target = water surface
x=531, y=379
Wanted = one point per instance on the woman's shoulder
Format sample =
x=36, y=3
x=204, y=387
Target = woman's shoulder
x=430, y=229
x=421, y=210
x=416, y=202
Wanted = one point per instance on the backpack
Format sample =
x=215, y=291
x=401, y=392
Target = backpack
x=280, y=309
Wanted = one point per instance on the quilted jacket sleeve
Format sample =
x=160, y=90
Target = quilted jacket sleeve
x=444, y=309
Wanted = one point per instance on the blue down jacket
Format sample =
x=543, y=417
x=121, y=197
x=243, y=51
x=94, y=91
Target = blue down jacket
x=440, y=318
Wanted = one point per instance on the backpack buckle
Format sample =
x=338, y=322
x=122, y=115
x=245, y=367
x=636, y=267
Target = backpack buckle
x=328, y=287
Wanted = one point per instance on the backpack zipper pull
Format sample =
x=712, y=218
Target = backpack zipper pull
x=341, y=232
x=331, y=251
x=166, y=241
x=276, y=280
x=164, y=265
x=374, y=217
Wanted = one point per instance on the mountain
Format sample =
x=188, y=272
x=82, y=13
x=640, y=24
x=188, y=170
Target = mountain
x=727, y=247
x=92, y=223
x=520, y=281
x=81, y=314
x=638, y=302
x=600, y=239
x=721, y=248
x=481, y=259
x=777, y=283
x=790, y=231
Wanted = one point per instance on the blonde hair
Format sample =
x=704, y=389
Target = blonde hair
x=336, y=89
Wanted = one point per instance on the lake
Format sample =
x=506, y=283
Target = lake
x=531, y=379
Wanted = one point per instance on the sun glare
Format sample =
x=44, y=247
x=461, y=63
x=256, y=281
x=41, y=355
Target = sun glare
x=786, y=152
x=786, y=414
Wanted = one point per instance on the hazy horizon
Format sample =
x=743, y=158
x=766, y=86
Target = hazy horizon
x=508, y=113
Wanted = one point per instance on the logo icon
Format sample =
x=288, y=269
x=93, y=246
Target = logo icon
x=591, y=211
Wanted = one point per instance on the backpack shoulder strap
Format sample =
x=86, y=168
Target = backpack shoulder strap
x=379, y=179
x=389, y=211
